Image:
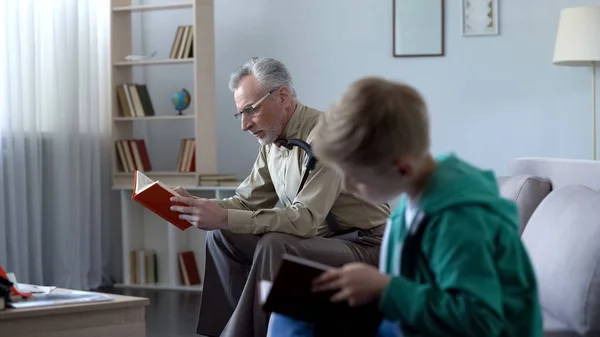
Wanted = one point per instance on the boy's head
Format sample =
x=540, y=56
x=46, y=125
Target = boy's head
x=377, y=136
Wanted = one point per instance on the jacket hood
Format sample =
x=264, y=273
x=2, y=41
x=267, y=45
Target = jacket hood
x=456, y=183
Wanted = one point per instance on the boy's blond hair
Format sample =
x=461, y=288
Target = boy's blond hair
x=375, y=122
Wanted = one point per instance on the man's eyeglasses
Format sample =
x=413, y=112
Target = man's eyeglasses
x=250, y=110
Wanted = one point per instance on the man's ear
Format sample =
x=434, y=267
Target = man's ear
x=285, y=96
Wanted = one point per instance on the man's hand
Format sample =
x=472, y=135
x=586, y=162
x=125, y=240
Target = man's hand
x=181, y=191
x=357, y=283
x=205, y=214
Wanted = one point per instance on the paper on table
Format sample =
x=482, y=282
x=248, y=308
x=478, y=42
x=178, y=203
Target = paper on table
x=30, y=288
x=60, y=297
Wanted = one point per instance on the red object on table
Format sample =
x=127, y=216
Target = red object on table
x=13, y=290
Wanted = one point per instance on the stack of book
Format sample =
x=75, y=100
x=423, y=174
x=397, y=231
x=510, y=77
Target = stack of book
x=134, y=100
x=186, y=161
x=133, y=155
x=183, y=43
x=143, y=266
x=189, y=268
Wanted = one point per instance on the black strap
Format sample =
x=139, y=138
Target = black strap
x=330, y=219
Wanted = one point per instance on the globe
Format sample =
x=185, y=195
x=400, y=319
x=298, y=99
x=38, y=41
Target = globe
x=181, y=100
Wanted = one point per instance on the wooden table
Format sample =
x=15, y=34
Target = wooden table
x=124, y=316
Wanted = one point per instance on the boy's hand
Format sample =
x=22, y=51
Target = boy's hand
x=358, y=283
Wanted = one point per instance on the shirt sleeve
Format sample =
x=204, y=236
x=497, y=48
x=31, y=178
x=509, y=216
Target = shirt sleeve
x=256, y=191
x=302, y=218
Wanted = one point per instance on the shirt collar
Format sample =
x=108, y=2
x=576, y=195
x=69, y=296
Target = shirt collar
x=294, y=125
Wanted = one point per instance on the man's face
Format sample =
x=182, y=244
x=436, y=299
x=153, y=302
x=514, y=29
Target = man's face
x=263, y=120
x=376, y=186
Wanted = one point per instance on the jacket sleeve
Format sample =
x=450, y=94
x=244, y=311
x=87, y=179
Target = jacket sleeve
x=256, y=191
x=466, y=298
x=302, y=218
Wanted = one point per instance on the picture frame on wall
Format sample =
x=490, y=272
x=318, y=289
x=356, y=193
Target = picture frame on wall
x=418, y=28
x=480, y=17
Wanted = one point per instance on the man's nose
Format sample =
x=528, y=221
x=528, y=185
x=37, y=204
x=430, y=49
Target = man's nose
x=246, y=122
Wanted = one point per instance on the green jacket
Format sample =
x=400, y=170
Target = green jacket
x=463, y=268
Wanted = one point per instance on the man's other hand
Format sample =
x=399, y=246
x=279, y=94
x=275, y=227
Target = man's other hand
x=203, y=213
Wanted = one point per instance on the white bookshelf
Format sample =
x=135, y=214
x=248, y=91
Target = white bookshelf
x=136, y=8
x=127, y=38
x=142, y=229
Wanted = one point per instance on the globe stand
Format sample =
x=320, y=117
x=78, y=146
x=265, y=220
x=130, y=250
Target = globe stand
x=179, y=112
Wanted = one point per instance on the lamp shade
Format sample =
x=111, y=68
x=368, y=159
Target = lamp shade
x=578, y=36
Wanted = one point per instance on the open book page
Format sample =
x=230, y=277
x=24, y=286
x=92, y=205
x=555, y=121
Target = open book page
x=167, y=188
x=143, y=182
x=60, y=297
x=265, y=288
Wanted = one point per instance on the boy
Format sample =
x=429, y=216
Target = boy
x=452, y=262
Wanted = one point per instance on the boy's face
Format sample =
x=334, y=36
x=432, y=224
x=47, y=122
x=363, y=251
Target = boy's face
x=375, y=186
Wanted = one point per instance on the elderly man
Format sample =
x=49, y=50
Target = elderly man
x=248, y=234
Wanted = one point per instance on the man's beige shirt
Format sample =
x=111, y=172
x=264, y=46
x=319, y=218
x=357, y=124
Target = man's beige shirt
x=276, y=176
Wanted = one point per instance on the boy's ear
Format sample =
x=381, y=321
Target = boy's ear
x=403, y=167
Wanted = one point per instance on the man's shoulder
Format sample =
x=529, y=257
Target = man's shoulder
x=311, y=119
x=313, y=111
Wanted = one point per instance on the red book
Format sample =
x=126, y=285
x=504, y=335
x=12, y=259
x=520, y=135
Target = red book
x=155, y=196
x=189, y=268
x=13, y=289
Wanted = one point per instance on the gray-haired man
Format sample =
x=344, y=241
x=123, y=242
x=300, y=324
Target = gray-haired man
x=248, y=235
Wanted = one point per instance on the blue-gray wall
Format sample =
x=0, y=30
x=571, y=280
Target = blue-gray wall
x=491, y=98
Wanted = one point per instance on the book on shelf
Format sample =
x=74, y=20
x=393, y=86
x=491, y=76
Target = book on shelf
x=186, y=160
x=183, y=43
x=189, y=268
x=143, y=266
x=290, y=293
x=132, y=155
x=155, y=196
x=134, y=100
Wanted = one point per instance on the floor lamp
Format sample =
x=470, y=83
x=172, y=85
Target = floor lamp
x=578, y=44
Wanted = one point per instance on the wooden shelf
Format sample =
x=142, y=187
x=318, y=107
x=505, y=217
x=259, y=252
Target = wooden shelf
x=151, y=174
x=160, y=286
x=188, y=180
x=124, y=180
x=149, y=118
x=137, y=8
x=152, y=62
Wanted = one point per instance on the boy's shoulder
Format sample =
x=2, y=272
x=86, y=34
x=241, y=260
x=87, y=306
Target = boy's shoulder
x=460, y=188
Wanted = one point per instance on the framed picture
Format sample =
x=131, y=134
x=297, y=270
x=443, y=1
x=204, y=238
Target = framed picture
x=480, y=17
x=418, y=28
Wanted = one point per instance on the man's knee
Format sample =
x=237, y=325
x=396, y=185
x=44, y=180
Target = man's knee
x=214, y=239
x=274, y=243
x=222, y=239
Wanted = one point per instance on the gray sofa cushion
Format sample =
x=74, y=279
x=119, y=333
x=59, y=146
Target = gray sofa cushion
x=527, y=192
x=553, y=324
x=563, y=240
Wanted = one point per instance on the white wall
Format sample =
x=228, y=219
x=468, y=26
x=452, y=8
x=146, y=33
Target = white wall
x=491, y=98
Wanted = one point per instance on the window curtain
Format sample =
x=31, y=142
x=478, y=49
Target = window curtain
x=54, y=141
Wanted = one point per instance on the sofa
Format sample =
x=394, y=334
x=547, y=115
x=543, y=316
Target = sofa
x=559, y=209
